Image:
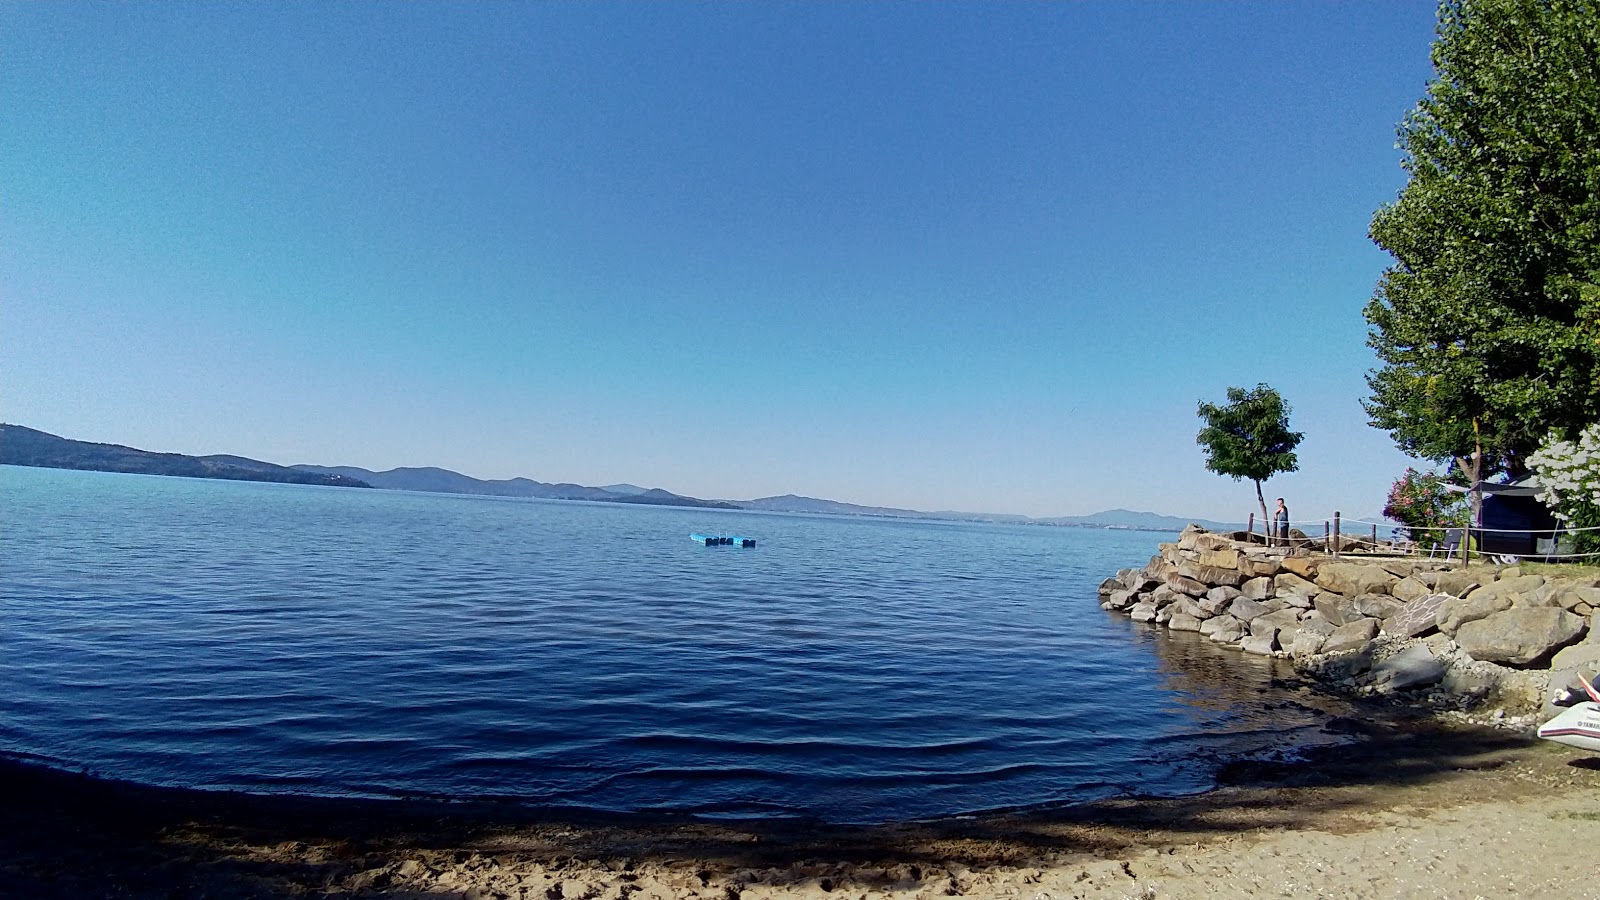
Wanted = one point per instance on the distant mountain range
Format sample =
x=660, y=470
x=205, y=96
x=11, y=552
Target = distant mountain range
x=20, y=446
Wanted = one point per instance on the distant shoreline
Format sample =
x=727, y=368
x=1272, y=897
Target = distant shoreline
x=30, y=447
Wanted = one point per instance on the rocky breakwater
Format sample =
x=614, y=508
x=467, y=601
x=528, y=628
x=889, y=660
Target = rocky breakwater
x=1491, y=642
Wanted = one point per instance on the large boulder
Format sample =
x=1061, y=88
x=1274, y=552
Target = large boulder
x=1418, y=618
x=1109, y=585
x=1410, y=589
x=1196, y=538
x=1221, y=558
x=1304, y=566
x=1185, y=584
x=1378, y=606
x=1351, y=636
x=1258, y=588
x=1216, y=600
x=1282, y=620
x=1143, y=612
x=1353, y=579
x=1520, y=636
x=1337, y=609
x=1121, y=599
x=1306, y=643
x=1520, y=585
x=1580, y=656
x=1211, y=575
x=1183, y=622
x=1226, y=630
x=1260, y=644
x=1480, y=604
x=1254, y=566
x=1413, y=667
x=1288, y=582
x=1458, y=584
x=1245, y=609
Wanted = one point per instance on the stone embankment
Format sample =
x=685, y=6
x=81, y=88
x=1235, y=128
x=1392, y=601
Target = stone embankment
x=1486, y=639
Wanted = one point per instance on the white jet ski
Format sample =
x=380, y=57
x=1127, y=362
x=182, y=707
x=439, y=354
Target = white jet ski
x=1579, y=725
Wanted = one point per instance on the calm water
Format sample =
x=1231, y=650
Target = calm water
x=333, y=641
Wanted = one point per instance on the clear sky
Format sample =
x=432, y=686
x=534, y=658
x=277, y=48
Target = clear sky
x=966, y=256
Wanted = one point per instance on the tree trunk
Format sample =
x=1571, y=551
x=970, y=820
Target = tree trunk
x=1271, y=531
x=1474, y=473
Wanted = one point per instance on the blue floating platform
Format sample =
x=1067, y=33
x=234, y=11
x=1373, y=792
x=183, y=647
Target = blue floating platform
x=722, y=540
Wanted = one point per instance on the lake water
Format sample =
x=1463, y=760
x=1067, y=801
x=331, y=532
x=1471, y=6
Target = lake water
x=282, y=638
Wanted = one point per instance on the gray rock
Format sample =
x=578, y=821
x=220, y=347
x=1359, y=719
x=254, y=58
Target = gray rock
x=1228, y=630
x=1165, y=613
x=1143, y=611
x=1399, y=568
x=1518, y=584
x=1212, y=606
x=1413, y=667
x=1121, y=599
x=1109, y=585
x=1337, y=609
x=1520, y=636
x=1294, y=599
x=1257, y=588
x=1353, y=579
x=1378, y=606
x=1585, y=656
x=1351, y=636
x=1410, y=589
x=1185, y=584
x=1456, y=584
x=1163, y=595
x=1256, y=566
x=1480, y=604
x=1275, y=621
x=1306, y=643
x=1211, y=575
x=1222, y=594
x=1193, y=608
x=1260, y=644
x=1183, y=622
x=1471, y=682
x=1288, y=582
x=1245, y=609
x=1418, y=618
x=1316, y=624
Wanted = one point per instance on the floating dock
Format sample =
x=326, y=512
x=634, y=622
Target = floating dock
x=722, y=540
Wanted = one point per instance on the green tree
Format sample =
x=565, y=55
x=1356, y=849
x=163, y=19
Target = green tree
x=1249, y=437
x=1487, y=325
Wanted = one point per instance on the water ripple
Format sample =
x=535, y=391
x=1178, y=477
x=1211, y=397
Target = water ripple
x=285, y=638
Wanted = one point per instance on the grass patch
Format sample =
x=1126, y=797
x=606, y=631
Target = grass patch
x=1582, y=816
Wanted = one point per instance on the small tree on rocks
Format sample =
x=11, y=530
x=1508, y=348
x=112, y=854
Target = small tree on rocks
x=1249, y=437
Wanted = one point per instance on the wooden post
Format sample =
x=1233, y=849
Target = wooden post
x=1374, y=538
x=1336, y=539
x=1327, y=535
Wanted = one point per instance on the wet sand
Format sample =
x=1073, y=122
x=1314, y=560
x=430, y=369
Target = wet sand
x=1418, y=811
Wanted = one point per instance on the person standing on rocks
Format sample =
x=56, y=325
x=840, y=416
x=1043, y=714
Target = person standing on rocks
x=1280, y=522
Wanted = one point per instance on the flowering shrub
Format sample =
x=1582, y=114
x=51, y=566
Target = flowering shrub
x=1568, y=473
x=1421, y=502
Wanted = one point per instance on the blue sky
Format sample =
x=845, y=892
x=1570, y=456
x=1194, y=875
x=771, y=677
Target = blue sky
x=937, y=255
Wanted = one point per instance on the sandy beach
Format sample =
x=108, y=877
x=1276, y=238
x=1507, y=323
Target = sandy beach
x=1405, y=811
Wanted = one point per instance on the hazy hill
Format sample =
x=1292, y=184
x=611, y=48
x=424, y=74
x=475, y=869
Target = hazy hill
x=1140, y=521
x=20, y=446
x=445, y=481
x=29, y=447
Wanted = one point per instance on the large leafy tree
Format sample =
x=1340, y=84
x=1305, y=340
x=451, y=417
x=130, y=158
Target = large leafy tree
x=1249, y=437
x=1487, y=325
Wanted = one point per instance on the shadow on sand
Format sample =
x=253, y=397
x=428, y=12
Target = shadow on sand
x=70, y=835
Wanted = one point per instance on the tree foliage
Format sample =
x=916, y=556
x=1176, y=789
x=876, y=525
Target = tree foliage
x=1423, y=503
x=1487, y=325
x=1249, y=437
